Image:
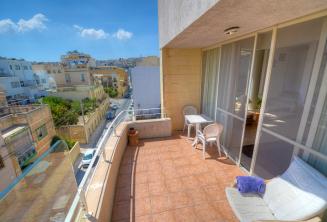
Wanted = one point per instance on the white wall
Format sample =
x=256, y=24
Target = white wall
x=146, y=87
x=18, y=70
x=5, y=84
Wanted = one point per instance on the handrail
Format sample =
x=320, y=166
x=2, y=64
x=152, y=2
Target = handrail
x=99, y=150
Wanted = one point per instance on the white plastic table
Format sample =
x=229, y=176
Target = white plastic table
x=197, y=120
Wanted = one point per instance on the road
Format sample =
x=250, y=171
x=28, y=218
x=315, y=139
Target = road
x=95, y=137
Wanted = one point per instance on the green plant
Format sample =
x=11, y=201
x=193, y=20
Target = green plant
x=258, y=103
x=62, y=111
x=89, y=105
x=111, y=91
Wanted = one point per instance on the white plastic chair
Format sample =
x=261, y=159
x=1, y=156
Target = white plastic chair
x=210, y=134
x=189, y=110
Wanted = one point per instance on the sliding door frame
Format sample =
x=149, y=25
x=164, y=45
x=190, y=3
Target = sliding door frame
x=264, y=97
x=315, y=71
x=247, y=92
x=312, y=86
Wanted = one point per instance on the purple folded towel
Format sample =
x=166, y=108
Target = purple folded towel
x=250, y=184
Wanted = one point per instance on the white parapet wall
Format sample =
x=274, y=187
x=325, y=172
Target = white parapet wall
x=152, y=128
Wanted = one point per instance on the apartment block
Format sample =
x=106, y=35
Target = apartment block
x=72, y=77
x=20, y=82
x=111, y=76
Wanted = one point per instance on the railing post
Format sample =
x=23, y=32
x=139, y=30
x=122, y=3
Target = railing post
x=133, y=113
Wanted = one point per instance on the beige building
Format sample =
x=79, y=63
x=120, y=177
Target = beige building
x=111, y=76
x=25, y=133
x=3, y=100
x=9, y=167
x=72, y=76
x=54, y=70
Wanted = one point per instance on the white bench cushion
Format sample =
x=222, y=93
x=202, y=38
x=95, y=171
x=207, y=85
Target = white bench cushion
x=248, y=207
x=298, y=194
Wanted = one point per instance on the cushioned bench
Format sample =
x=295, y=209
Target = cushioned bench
x=300, y=193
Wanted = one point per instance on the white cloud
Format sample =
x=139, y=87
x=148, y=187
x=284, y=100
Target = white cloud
x=122, y=34
x=91, y=33
x=37, y=22
x=6, y=25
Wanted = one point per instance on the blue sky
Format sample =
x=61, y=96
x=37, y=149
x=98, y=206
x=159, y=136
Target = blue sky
x=43, y=30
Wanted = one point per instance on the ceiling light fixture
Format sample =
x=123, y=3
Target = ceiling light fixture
x=231, y=30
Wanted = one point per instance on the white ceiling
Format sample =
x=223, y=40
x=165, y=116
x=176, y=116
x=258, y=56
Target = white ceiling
x=249, y=15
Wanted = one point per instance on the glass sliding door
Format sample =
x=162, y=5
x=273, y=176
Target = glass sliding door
x=287, y=97
x=235, y=64
x=255, y=91
x=210, y=77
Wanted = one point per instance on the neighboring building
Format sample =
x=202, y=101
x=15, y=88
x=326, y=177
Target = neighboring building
x=3, y=100
x=18, y=80
x=145, y=82
x=25, y=133
x=54, y=70
x=9, y=167
x=260, y=73
x=149, y=61
x=71, y=78
x=38, y=120
x=76, y=67
x=111, y=76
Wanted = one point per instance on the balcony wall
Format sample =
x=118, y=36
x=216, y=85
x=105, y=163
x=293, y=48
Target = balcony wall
x=101, y=189
x=153, y=128
x=182, y=76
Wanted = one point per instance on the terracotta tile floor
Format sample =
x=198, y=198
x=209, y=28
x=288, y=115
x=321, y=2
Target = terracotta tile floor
x=165, y=180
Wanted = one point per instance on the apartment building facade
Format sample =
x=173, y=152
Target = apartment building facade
x=111, y=76
x=19, y=81
x=71, y=78
x=53, y=70
x=255, y=68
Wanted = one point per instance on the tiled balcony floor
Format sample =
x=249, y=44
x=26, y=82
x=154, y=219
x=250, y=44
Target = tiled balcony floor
x=164, y=180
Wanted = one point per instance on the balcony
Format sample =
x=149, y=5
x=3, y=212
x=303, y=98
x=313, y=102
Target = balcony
x=164, y=180
x=161, y=179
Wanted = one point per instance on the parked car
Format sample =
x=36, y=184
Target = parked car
x=87, y=158
x=114, y=107
x=111, y=114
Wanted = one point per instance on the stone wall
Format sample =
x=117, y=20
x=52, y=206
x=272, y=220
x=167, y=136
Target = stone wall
x=82, y=133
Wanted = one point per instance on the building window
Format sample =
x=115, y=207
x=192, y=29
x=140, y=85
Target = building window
x=17, y=67
x=25, y=67
x=41, y=132
x=2, y=163
x=43, y=80
x=67, y=78
x=10, y=66
x=83, y=77
x=15, y=84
